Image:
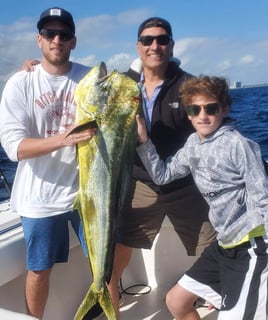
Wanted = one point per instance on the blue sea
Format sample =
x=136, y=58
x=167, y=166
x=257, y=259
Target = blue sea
x=249, y=108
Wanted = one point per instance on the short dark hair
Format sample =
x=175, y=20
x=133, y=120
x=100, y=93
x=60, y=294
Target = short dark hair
x=155, y=22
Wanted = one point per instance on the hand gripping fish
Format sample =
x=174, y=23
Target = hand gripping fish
x=111, y=103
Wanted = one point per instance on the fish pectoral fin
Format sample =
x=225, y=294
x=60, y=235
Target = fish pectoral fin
x=84, y=126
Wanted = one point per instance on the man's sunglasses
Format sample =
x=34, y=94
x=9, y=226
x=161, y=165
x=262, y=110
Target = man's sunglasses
x=211, y=109
x=50, y=34
x=162, y=40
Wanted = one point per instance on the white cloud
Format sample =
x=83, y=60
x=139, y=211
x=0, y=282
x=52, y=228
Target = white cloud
x=185, y=45
x=113, y=39
x=89, y=60
x=234, y=59
x=120, y=61
x=106, y=33
x=248, y=59
x=225, y=65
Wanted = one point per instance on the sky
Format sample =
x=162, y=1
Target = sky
x=215, y=37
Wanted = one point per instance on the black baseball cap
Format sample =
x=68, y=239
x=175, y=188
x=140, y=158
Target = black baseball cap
x=58, y=14
x=155, y=22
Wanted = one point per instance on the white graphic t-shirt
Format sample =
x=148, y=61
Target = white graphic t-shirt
x=37, y=105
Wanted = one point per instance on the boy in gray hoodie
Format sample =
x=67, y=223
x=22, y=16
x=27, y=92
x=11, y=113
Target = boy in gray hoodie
x=228, y=169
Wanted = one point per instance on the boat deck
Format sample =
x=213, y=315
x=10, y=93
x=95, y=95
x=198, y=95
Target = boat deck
x=154, y=270
x=152, y=306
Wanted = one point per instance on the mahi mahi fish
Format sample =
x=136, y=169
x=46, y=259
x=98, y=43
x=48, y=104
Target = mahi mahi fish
x=110, y=102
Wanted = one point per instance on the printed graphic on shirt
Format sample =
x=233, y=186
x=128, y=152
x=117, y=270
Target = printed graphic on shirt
x=60, y=110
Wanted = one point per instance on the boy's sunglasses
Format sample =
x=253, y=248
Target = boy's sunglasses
x=211, y=109
x=162, y=40
x=50, y=34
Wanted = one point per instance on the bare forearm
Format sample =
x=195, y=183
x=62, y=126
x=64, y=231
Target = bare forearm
x=33, y=147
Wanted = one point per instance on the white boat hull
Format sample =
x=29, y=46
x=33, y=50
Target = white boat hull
x=158, y=269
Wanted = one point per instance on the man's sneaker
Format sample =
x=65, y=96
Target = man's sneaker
x=96, y=311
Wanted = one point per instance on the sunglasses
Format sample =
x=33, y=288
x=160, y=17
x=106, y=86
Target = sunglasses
x=211, y=109
x=50, y=34
x=162, y=40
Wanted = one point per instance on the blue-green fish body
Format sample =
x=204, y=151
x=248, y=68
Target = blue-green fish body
x=105, y=165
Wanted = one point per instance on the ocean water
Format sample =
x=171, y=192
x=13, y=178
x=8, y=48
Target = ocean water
x=249, y=108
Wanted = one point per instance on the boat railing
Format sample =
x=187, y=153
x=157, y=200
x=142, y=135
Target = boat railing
x=8, y=221
x=5, y=182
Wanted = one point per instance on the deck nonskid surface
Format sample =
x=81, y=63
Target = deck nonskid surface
x=152, y=306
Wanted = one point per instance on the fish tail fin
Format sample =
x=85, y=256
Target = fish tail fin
x=91, y=298
x=88, y=302
x=106, y=304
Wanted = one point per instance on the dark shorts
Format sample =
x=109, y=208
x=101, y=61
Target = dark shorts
x=47, y=239
x=233, y=280
x=145, y=210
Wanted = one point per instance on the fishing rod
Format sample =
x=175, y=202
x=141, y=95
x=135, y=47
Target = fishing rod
x=6, y=184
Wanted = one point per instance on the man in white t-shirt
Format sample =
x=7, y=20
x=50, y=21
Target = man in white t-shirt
x=37, y=113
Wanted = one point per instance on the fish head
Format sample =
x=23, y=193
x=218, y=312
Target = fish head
x=87, y=93
x=121, y=98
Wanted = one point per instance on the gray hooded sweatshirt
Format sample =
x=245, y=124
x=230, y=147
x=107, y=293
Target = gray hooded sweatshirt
x=229, y=172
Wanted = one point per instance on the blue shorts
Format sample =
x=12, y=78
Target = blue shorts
x=47, y=239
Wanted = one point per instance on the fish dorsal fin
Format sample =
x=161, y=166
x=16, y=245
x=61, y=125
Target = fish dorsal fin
x=102, y=71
